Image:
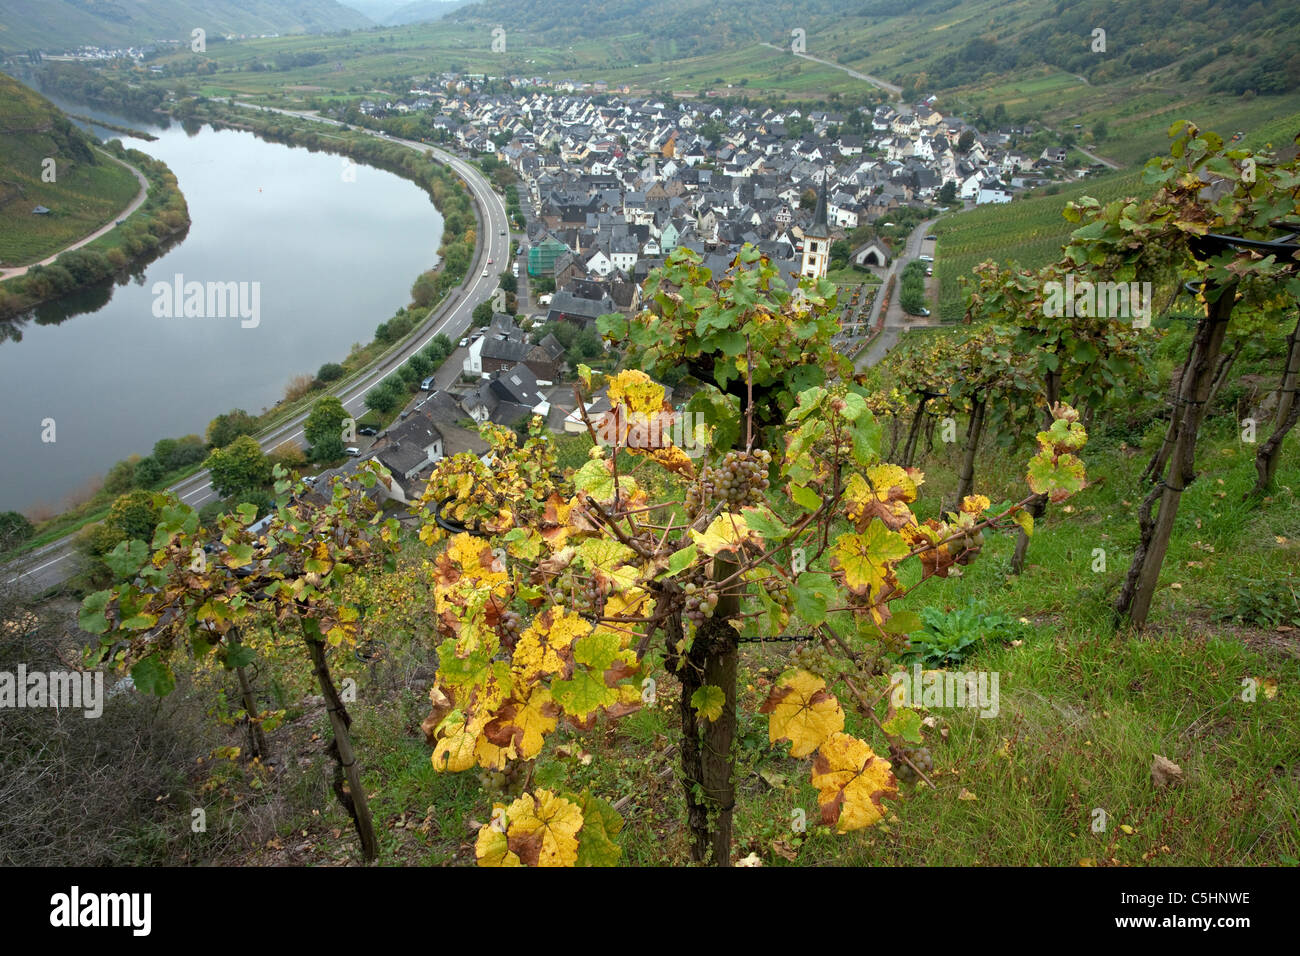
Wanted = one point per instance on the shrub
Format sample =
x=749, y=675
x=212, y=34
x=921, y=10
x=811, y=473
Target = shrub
x=330, y=372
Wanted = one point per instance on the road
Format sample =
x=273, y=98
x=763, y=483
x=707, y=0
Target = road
x=136, y=203
x=896, y=320
x=1097, y=159
x=874, y=81
x=54, y=563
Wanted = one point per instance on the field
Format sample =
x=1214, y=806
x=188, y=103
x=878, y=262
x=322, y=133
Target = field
x=1029, y=231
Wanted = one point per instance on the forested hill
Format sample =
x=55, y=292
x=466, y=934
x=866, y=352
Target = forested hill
x=52, y=25
x=945, y=43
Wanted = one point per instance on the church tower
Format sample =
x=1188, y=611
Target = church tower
x=817, y=240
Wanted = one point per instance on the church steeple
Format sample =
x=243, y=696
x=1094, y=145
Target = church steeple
x=817, y=239
x=820, y=227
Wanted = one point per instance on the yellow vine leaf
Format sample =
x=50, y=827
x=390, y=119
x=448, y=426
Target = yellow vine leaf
x=538, y=829
x=727, y=532
x=637, y=391
x=517, y=730
x=884, y=493
x=454, y=751
x=546, y=645
x=802, y=711
x=851, y=783
x=868, y=559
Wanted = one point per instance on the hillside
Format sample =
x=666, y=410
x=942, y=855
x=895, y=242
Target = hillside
x=1031, y=230
x=942, y=44
x=61, y=24
x=395, y=12
x=88, y=189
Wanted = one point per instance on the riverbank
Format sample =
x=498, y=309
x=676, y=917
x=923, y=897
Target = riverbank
x=433, y=290
x=111, y=251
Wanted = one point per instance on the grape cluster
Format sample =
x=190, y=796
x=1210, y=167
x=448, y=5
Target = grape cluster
x=778, y=589
x=510, y=626
x=920, y=756
x=591, y=598
x=699, y=604
x=970, y=546
x=816, y=659
x=493, y=781
x=739, y=480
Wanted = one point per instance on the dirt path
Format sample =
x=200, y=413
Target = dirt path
x=102, y=230
x=874, y=81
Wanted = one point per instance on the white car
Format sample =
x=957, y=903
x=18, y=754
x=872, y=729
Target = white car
x=926, y=258
x=353, y=452
x=485, y=273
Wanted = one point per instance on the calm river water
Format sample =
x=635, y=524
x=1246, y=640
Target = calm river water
x=322, y=254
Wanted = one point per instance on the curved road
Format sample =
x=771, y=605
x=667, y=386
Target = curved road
x=53, y=563
x=102, y=230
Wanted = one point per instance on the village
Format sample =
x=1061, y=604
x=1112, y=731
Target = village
x=609, y=186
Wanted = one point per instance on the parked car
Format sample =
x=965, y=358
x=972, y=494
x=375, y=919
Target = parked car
x=464, y=342
x=367, y=430
x=309, y=479
x=926, y=258
x=427, y=384
x=353, y=452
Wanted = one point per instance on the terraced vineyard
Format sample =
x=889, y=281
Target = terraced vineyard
x=1029, y=231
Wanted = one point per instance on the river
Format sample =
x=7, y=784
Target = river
x=321, y=250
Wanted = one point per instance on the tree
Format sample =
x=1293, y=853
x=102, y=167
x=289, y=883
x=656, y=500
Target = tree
x=1099, y=130
x=421, y=364
x=482, y=314
x=383, y=398
x=330, y=372
x=225, y=428
x=14, y=529
x=121, y=477
x=425, y=290
x=177, y=453
x=965, y=141
x=808, y=199
x=133, y=515
x=148, y=472
x=324, y=428
x=948, y=192
x=840, y=252
x=238, y=467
